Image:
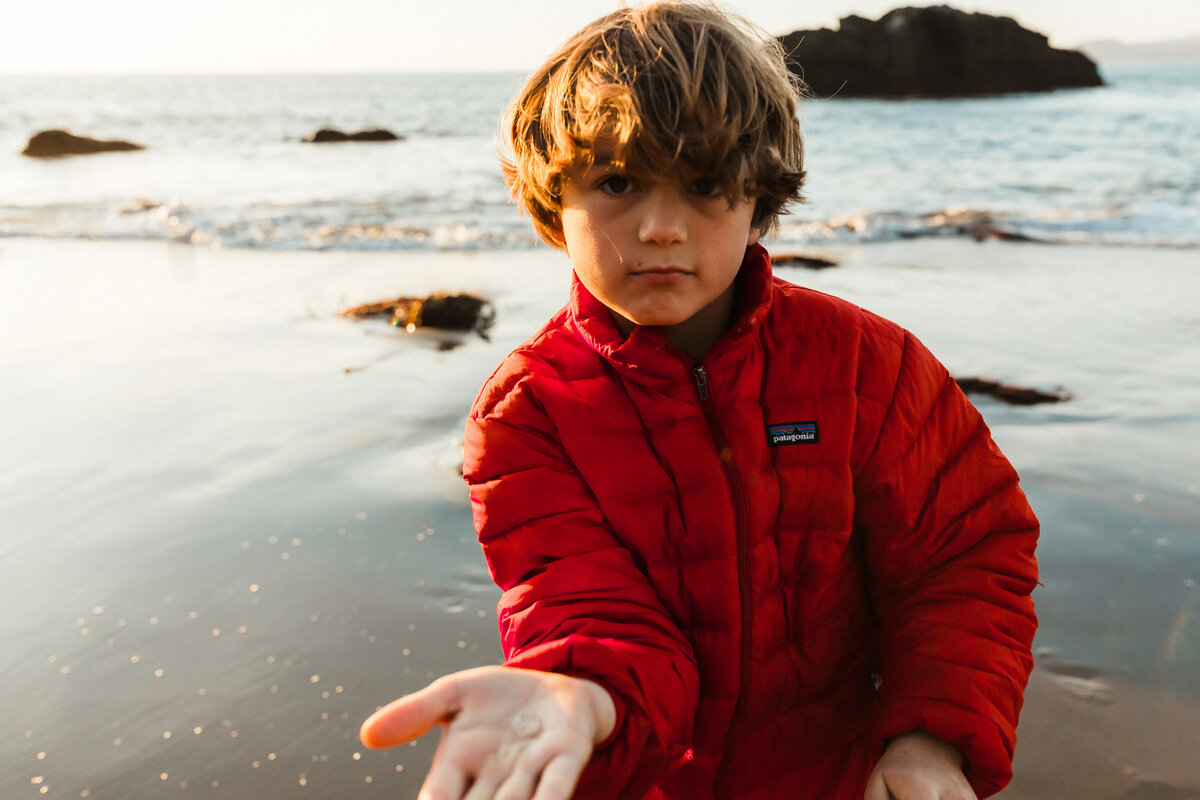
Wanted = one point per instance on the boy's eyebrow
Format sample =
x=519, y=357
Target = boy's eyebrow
x=604, y=163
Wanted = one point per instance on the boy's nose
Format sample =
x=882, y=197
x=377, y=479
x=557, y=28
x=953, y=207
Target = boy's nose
x=664, y=218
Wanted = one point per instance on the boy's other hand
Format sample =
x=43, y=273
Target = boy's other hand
x=511, y=734
x=917, y=766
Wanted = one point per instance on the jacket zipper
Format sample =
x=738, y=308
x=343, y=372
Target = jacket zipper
x=741, y=520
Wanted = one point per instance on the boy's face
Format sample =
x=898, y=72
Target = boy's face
x=657, y=250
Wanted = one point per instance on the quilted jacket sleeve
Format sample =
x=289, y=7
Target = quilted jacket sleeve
x=949, y=540
x=575, y=601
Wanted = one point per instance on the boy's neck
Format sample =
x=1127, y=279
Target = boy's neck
x=696, y=334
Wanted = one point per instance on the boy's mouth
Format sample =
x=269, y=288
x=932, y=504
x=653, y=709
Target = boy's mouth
x=661, y=271
x=661, y=276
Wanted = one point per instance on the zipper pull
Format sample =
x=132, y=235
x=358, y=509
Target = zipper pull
x=701, y=378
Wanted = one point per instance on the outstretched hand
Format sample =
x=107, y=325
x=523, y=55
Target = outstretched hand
x=511, y=734
x=917, y=766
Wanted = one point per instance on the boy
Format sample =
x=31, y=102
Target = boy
x=753, y=541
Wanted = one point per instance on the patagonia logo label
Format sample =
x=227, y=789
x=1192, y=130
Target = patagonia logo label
x=792, y=433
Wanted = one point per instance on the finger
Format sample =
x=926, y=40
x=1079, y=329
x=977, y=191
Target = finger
x=410, y=716
x=521, y=780
x=490, y=767
x=445, y=781
x=518, y=786
x=484, y=787
x=877, y=788
x=559, y=777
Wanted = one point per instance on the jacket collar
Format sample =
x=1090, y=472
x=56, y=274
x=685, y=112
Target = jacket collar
x=645, y=355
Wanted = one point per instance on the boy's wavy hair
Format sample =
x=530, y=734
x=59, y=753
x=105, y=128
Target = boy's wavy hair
x=665, y=88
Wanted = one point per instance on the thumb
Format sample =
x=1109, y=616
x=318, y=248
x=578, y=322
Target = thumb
x=410, y=716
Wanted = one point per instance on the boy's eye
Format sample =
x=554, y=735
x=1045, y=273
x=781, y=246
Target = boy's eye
x=706, y=187
x=615, y=184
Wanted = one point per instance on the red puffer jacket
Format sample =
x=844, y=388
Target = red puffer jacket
x=774, y=559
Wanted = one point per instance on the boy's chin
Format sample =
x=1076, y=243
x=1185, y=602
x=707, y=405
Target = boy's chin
x=655, y=321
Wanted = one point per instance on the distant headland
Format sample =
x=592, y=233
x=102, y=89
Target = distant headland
x=1185, y=49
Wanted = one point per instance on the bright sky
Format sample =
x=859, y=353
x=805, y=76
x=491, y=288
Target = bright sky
x=177, y=36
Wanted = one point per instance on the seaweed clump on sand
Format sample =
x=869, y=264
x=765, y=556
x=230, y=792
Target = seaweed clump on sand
x=808, y=261
x=1013, y=395
x=465, y=313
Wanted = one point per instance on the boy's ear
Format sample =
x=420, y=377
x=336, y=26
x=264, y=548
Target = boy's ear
x=752, y=239
x=554, y=233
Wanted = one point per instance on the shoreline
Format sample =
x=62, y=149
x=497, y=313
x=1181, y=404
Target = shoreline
x=207, y=473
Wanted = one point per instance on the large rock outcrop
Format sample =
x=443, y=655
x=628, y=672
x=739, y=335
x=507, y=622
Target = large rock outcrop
x=58, y=143
x=933, y=52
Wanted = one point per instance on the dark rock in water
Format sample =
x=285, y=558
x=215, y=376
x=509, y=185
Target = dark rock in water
x=801, y=260
x=1013, y=395
x=57, y=143
x=933, y=52
x=454, y=312
x=371, y=135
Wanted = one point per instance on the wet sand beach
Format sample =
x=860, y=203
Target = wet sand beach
x=233, y=523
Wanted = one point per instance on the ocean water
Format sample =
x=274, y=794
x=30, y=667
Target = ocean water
x=224, y=164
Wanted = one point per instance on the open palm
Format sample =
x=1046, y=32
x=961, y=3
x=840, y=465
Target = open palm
x=510, y=734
